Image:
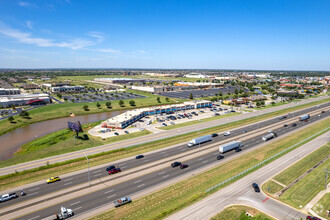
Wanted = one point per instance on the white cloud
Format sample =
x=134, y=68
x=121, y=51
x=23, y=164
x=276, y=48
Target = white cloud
x=26, y=4
x=29, y=24
x=105, y=50
x=97, y=35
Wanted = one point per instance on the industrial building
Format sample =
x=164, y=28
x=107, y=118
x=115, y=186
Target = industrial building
x=124, y=120
x=119, y=80
x=16, y=100
x=67, y=89
x=13, y=91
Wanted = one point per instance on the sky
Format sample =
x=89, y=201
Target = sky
x=179, y=34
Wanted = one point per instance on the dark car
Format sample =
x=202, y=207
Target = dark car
x=285, y=125
x=182, y=166
x=244, y=131
x=305, y=120
x=219, y=157
x=312, y=218
x=322, y=111
x=238, y=149
x=113, y=171
x=126, y=132
x=214, y=135
x=139, y=156
x=110, y=168
x=255, y=187
x=175, y=164
x=294, y=125
x=116, y=133
x=164, y=124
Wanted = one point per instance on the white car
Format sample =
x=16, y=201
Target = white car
x=226, y=133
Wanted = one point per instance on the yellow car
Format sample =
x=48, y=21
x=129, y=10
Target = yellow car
x=53, y=179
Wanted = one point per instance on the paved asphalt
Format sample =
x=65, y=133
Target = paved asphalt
x=144, y=139
x=107, y=195
x=241, y=192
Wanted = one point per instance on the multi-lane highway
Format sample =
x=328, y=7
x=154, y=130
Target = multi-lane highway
x=107, y=195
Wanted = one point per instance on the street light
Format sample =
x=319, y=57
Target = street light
x=89, y=178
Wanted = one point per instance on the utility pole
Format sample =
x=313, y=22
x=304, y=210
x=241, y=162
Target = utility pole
x=89, y=179
x=326, y=170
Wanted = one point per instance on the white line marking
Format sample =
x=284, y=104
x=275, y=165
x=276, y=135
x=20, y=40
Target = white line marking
x=138, y=181
x=140, y=185
x=165, y=176
x=111, y=196
x=161, y=173
x=34, y=217
x=74, y=203
x=200, y=158
x=67, y=183
x=124, y=167
x=145, y=160
x=67, y=179
x=78, y=208
x=108, y=191
x=97, y=171
x=205, y=161
x=34, y=189
x=32, y=194
x=122, y=164
x=165, y=155
x=163, y=152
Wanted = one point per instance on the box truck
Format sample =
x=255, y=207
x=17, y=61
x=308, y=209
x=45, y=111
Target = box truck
x=304, y=117
x=268, y=136
x=199, y=140
x=230, y=146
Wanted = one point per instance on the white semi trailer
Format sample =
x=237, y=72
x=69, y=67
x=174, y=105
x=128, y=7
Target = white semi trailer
x=268, y=136
x=304, y=117
x=199, y=140
x=230, y=146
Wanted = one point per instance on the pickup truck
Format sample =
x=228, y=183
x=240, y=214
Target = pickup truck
x=122, y=201
x=8, y=196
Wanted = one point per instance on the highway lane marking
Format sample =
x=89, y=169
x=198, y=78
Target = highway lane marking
x=200, y=158
x=32, y=194
x=111, y=196
x=124, y=167
x=145, y=160
x=165, y=176
x=265, y=199
x=108, y=191
x=138, y=181
x=67, y=183
x=34, y=189
x=97, y=171
x=67, y=179
x=78, y=208
x=165, y=154
x=140, y=185
x=34, y=217
x=122, y=164
x=183, y=150
x=216, y=153
x=205, y=161
x=161, y=173
x=75, y=203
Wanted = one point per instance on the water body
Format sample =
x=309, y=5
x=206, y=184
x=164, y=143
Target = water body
x=11, y=142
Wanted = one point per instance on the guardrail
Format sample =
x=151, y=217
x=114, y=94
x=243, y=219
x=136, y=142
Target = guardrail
x=263, y=162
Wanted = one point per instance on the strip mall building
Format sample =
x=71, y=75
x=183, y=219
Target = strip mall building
x=126, y=119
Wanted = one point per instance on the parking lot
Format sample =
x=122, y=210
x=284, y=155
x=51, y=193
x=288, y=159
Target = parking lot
x=99, y=97
x=201, y=92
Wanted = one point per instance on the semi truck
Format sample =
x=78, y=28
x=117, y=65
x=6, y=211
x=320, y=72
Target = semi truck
x=65, y=213
x=268, y=136
x=304, y=117
x=199, y=140
x=122, y=201
x=230, y=146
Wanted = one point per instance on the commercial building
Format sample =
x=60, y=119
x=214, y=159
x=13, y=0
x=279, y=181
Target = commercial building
x=195, y=75
x=16, y=100
x=119, y=80
x=124, y=120
x=67, y=89
x=9, y=91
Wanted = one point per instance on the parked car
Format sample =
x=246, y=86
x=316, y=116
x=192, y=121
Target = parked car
x=294, y=125
x=110, y=168
x=139, y=156
x=214, y=135
x=255, y=187
x=175, y=164
x=172, y=123
x=126, y=132
x=219, y=157
x=226, y=133
x=183, y=166
x=114, y=170
x=53, y=179
x=164, y=124
x=285, y=125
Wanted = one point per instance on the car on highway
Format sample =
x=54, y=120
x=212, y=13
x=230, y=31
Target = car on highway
x=285, y=125
x=116, y=133
x=322, y=111
x=226, y=133
x=126, y=132
x=238, y=149
x=164, y=124
x=219, y=157
x=110, y=168
x=294, y=125
x=305, y=120
x=53, y=179
x=175, y=164
x=309, y=217
x=244, y=131
x=114, y=170
x=139, y=156
x=8, y=196
x=122, y=201
x=214, y=135
x=183, y=166
x=255, y=187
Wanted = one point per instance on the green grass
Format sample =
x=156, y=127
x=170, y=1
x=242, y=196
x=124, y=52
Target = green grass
x=299, y=168
x=307, y=188
x=270, y=187
x=239, y=212
x=322, y=206
x=184, y=124
x=170, y=199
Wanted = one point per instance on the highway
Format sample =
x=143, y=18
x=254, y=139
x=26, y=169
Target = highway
x=130, y=163
x=107, y=195
x=145, y=139
x=241, y=192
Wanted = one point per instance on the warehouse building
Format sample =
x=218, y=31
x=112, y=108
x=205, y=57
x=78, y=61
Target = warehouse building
x=119, y=80
x=16, y=100
x=9, y=91
x=67, y=89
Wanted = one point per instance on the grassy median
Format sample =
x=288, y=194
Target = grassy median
x=239, y=212
x=322, y=206
x=170, y=199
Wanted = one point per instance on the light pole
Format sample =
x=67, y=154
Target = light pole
x=89, y=178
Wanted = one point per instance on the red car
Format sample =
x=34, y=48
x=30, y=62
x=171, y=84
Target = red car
x=114, y=170
x=312, y=218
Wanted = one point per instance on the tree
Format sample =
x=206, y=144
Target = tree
x=65, y=99
x=11, y=119
x=121, y=103
x=258, y=103
x=132, y=103
x=273, y=103
x=167, y=99
x=241, y=91
x=228, y=93
x=98, y=105
x=108, y=104
x=220, y=94
x=59, y=95
x=85, y=107
x=191, y=96
x=236, y=91
x=262, y=102
x=158, y=99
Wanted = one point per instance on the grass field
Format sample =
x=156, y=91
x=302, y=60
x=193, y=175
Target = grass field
x=239, y=212
x=270, y=187
x=184, y=124
x=168, y=200
x=322, y=206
